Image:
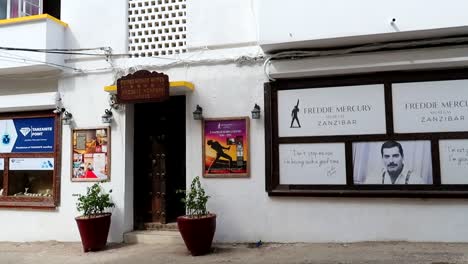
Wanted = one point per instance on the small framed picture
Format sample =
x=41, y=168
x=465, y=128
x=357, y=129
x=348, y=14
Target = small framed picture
x=226, y=147
x=90, y=154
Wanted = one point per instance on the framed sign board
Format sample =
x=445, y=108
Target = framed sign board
x=226, y=147
x=310, y=112
x=314, y=163
x=143, y=86
x=91, y=154
x=454, y=161
x=428, y=107
x=377, y=135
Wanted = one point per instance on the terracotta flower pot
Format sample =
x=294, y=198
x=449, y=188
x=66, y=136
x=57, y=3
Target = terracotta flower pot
x=197, y=233
x=94, y=231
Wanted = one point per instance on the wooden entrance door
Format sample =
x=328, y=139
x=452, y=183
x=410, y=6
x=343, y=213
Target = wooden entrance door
x=159, y=161
x=158, y=175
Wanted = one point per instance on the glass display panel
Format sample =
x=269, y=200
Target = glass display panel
x=31, y=177
x=30, y=183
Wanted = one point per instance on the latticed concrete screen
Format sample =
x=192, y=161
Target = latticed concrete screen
x=156, y=28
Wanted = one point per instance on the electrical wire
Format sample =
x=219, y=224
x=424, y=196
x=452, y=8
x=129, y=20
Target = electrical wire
x=52, y=51
x=25, y=60
x=191, y=59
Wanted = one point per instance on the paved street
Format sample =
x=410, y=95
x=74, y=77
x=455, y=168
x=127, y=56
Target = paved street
x=369, y=252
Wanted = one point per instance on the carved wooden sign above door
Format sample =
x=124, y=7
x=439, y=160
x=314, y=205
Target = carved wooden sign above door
x=143, y=86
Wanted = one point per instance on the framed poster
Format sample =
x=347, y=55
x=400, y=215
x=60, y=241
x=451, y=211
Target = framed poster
x=392, y=162
x=91, y=154
x=317, y=163
x=331, y=111
x=226, y=147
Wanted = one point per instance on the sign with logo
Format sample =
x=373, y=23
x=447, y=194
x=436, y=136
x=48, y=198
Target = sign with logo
x=143, y=86
x=439, y=106
x=31, y=164
x=347, y=110
x=27, y=135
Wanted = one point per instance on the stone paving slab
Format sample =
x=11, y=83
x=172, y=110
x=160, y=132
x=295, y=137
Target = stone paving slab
x=368, y=252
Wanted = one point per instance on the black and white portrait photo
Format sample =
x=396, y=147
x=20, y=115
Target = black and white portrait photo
x=392, y=162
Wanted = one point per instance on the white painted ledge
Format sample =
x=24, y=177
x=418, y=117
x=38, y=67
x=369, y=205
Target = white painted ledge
x=416, y=59
x=27, y=102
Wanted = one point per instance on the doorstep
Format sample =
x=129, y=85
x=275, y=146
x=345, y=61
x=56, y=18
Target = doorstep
x=161, y=227
x=153, y=237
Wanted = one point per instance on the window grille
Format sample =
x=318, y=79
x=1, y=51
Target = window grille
x=156, y=27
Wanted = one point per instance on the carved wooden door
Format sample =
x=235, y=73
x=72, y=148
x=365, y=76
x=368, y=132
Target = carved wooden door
x=158, y=177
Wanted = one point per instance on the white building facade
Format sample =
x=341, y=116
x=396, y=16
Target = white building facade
x=219, y=55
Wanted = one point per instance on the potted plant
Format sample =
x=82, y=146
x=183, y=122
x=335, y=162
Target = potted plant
x=95, y=220
x=198, y=226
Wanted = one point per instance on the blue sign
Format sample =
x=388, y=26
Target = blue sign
x=27, y=135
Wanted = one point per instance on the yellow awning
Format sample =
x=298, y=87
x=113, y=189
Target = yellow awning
x=176, y=87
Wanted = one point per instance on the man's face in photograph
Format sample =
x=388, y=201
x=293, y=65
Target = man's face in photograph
x=392, y=159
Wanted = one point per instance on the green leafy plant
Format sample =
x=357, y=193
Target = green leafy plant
x=195, y=199
x=94, y=202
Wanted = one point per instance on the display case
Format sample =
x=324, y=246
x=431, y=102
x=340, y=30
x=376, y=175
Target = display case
x=30, y=177
x=29, y=155
x=376, y=135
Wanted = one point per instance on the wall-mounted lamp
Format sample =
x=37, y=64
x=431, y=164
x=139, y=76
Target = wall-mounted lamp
x=67, y=118
x=107, y=116
x=198, y=113
x=58, y=110
x=256, y=112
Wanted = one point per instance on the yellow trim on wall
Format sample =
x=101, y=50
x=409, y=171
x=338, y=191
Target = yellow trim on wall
x=183, y=84
x=26, y=19
x=176, y=84
x=110, y=88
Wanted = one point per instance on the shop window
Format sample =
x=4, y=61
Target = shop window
x=29, y=173
x=22, y=8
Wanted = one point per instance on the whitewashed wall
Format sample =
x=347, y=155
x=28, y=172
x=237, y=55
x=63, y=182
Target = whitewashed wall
x=85, y=99
x=220, y=23
x=36, y=34
x=339, y=22
x=246, y=213
x=96, y=24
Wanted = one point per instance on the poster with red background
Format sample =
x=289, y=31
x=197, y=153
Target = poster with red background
x=226, y=147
